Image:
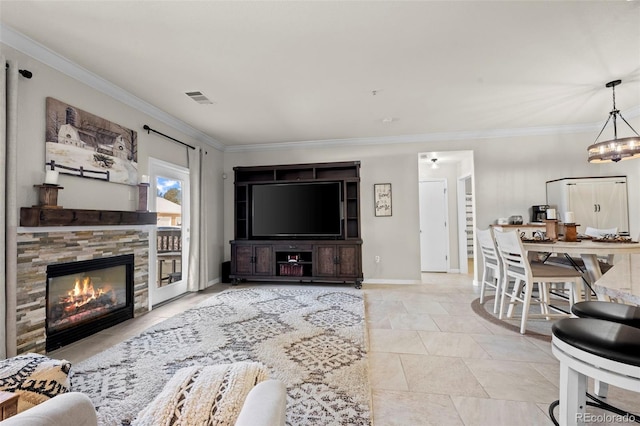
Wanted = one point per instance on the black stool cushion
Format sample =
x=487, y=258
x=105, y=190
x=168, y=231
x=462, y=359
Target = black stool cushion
x=606, y=339
x=616, y=312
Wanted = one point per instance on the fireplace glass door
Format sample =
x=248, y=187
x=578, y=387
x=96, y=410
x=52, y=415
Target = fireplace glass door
x=80, y=297
x=87, y=296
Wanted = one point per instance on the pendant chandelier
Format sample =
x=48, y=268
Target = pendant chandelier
x=615, y=149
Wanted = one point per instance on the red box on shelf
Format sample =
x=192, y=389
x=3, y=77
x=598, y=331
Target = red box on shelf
x=291, y=269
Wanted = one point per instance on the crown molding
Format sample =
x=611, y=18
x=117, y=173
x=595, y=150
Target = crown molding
x=420, y=138
x=32, y=48
x=433, y=137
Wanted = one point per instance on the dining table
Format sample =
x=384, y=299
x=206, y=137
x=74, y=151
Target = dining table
x=622, y=282
x=590, y=250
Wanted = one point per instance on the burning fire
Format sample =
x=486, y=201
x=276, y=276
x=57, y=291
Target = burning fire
x=80, y=298
x=83, y=293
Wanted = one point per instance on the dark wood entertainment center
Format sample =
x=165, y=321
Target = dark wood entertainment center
x=331, y=259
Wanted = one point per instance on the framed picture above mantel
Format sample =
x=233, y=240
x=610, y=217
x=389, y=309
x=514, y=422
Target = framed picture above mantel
x=82, y=144
x=382, y=199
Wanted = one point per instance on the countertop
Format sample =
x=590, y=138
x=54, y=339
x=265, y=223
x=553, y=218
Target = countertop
x=623, y=280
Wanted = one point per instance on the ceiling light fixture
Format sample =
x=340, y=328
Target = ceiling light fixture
x=615, y=149
x=434, y=163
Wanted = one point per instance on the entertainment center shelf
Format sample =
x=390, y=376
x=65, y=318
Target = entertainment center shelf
x=297, y=222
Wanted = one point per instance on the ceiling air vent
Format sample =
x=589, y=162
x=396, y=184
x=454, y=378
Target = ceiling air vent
x=199, y=97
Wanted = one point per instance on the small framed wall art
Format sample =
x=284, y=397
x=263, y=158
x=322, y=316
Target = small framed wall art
x=382, y=199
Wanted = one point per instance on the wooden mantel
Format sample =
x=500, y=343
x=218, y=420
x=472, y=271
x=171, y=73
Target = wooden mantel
x=39, y=216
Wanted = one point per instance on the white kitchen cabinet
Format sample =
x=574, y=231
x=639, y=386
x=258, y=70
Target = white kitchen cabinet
x=596, y=202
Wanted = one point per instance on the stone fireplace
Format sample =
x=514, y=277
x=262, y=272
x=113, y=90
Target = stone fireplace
x=87, y=296
x=43, y=255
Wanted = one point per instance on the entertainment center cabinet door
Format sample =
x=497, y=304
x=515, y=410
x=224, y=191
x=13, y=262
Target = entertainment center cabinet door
x=337, y=260
x=264, y=262
x=252, y=259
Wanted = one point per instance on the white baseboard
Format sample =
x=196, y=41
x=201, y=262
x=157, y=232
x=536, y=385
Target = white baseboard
x=211, y=282
x=391, y=281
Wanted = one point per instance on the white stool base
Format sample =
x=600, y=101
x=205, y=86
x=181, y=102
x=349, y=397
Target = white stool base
x=575, y=366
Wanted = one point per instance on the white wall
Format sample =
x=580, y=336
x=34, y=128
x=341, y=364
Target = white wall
x=93, y=194
x=510, y=175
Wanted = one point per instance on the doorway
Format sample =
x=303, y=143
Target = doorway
x=466, y=236
x=170, y=200
x=434, y=226
x=456, y=169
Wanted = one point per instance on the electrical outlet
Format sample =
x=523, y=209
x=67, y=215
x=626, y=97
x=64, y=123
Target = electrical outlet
x=377, y=259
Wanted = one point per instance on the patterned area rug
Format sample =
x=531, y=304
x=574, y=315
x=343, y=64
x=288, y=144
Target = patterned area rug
x=313, y=340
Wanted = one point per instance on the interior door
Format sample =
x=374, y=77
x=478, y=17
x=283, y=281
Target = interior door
x=434, y=229
x=169, y=194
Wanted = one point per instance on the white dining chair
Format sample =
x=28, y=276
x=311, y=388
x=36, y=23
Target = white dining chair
x=525, y=275
x=492, y=265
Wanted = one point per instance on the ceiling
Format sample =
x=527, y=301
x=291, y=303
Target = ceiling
x=298, y=71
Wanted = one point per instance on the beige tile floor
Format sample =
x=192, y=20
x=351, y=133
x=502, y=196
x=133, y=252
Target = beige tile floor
x=432, y=360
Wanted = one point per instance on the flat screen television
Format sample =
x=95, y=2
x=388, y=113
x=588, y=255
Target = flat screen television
x=297, y=210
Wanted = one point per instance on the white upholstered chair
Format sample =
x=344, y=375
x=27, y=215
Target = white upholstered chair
x=492, y=265
x=525, y=275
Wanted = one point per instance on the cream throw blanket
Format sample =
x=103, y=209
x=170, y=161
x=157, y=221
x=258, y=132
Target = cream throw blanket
x=210, y=395
x=35, y=377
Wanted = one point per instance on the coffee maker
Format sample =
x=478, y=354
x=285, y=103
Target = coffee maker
x=539, y=213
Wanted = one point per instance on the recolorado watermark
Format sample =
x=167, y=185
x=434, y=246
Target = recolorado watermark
x=605, y=418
